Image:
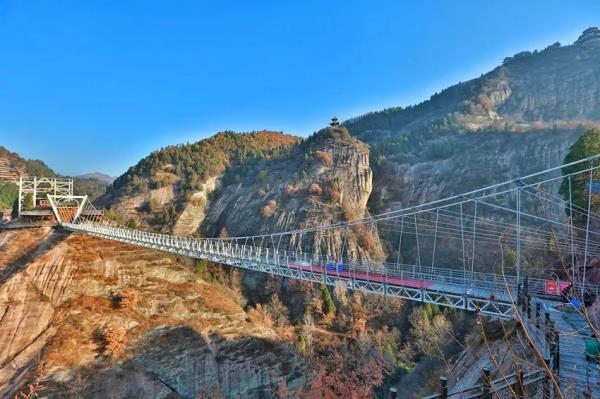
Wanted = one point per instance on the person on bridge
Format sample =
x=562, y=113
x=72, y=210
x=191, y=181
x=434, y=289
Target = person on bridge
x=588, y=298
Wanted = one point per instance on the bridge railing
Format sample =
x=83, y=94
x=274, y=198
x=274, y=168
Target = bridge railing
x=469, y=282
x=533, y=384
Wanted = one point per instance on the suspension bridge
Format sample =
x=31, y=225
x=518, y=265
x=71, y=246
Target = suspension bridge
x=489, y=251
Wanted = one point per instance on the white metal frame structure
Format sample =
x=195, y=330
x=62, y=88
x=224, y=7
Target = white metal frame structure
x=40, y=188
x=67, y=208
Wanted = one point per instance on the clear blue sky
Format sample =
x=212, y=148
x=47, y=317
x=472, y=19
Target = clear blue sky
x=96, y=85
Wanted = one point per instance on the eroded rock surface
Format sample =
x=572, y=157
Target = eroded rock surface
x=181, y=335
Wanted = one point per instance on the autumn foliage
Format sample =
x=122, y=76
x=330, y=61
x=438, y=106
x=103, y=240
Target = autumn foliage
x=338, y=378
x=334, y=193
x=269, y=209
x=110, y=340
x=315, y=189
x=348, y=211
x=325, y=157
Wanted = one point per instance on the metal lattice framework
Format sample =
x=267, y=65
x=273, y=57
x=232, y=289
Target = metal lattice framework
x=36, y=189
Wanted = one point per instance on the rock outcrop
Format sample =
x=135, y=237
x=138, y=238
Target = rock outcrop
x=180, y=334
x=168, y=189
x=327, y=179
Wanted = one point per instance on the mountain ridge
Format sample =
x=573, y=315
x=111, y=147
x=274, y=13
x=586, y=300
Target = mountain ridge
x=502, y=98
x=97, y=176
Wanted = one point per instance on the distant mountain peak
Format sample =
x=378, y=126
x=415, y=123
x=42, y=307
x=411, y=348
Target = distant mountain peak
x=590, y=34
x=97, y=176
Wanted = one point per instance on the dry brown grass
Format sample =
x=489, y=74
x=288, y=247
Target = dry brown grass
x=269, y=209
x=348, y=211
x=315, y=189
x=325, y=157
x=258, y=315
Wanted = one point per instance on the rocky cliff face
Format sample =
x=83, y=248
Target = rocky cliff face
x=74, y=299
x=326, y=179
x=560, y=83
x=471, y=162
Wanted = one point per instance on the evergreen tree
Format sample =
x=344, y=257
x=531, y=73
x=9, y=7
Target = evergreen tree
x=587, y=145
x=328, y=304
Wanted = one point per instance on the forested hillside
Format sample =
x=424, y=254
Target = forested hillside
x=554, y=88
x=25, y=167
x=160, y=186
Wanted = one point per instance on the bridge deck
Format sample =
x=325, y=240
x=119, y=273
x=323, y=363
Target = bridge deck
x=482, y=292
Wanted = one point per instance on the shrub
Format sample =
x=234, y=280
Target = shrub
x=208, y=271
x=114, y=336
x=110, y=340
x=269, y=209
x=258, y=315
x=9, y=193
x=277, y=311
x=348, y=212
x=328, y=304
x=315, y=189
x=302, y=347
x=113, y=216
x=263, y=175
x=129, y=298
x=132, y=223
x=325, y=157
x=334, y=193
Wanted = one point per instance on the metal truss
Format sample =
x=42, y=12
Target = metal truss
x=40, y=188
x=67, y=208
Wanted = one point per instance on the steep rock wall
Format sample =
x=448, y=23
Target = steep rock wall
x=52, y=307
x=326, y=180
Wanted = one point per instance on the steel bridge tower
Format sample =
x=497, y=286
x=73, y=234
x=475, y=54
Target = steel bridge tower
x=33, y=195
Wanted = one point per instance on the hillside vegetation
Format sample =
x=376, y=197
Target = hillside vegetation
x=552, y=88
x=27, y=167
x=191, y=164
x=156, y=190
